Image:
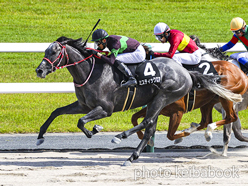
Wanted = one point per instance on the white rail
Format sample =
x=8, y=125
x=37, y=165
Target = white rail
x=41, y=47
x=10, y=88
x=68, y=87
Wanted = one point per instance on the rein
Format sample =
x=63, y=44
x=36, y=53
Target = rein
x=60, y=57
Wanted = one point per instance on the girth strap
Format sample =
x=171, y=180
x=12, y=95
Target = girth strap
x=131, y=92
x=190, y=101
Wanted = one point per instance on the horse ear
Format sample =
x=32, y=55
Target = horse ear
x=79, y=40
x=62, y=39
x=75, y=42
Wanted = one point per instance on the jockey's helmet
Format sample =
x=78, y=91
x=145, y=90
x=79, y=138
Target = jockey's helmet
x=237, y=23
x=99, y=34
x=160, y=29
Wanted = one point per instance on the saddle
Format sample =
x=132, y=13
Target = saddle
x=204, y=67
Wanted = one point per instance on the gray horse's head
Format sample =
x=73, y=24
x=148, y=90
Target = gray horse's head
x=51, y=58
x=55, y=56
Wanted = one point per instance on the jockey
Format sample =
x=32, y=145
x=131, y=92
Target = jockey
x=188, y=54
x=123, y=50
x=240, y=33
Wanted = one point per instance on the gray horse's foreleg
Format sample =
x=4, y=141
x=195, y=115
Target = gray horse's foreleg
x=95, y=114
x=150, y=130
x=227, y=131
x=74, y=108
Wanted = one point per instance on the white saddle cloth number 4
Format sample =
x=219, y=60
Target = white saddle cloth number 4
x=149, y=70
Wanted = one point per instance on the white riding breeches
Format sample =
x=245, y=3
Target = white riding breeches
x=236, y=56
x=137, y=56
x=188, y=58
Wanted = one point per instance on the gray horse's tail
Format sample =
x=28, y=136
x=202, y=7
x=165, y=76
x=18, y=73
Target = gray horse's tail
x=238, y=134
x=210, y=82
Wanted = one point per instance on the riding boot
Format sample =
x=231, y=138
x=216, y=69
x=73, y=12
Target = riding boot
x=126, y=71
x=244, y=61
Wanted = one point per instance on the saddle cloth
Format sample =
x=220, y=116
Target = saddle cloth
x=204, y=67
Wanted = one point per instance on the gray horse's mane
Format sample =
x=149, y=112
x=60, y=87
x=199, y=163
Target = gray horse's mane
x=215, y=52
x=76, y=43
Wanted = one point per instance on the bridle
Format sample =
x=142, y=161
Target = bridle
x=60, y=57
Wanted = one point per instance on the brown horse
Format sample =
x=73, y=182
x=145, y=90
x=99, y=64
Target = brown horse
x=233, y=79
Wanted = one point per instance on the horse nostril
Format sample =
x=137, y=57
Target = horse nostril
x=39, y=71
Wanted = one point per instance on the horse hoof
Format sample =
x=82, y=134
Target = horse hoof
x=97, y=128
x=208, y=136
x=40, y=141
x=127, y=163
x=224, y=154
x=116, y=140
x=179, y=140
x=194, y=126
x=150, y=143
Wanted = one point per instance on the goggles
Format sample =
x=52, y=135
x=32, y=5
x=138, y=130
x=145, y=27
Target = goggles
x=159, y=37
x=238, y=31
x=98, y=42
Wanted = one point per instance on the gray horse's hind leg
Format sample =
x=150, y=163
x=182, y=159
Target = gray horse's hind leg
x=227, y=130
x=74, y=108
x=226, y=137
x=153, y=110
x=150, y=130
x=152, y=113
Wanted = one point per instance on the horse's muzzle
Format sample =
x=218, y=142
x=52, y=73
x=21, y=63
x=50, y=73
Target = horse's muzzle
x=43, y=69
x=40, y=73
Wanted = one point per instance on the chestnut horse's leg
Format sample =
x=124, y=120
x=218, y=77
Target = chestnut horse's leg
x=206, y=112
x=135, y=117
x=231, y=116
x=175, y=120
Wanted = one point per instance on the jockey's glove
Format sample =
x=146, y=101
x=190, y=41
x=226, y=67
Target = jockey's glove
x=92, y=52
x=151, y=53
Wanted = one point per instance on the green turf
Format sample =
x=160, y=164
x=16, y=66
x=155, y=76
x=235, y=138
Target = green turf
x=45, y=21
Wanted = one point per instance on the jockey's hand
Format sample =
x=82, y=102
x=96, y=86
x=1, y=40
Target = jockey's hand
x=92, y=52
x=151, y=53
x=211, y=50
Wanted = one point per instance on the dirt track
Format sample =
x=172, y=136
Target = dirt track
x=104, y=168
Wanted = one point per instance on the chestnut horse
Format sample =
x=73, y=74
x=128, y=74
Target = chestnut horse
x=233, y=79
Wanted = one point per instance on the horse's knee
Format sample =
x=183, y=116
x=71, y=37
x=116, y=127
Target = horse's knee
x=148, y=122
x=231, y=118
x=80, y=123
x=56, y=113
x=170, y=137
x=235, y=118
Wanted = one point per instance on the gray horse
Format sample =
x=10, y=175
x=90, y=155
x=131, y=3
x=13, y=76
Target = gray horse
x=235, y=126
x=97, y=87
